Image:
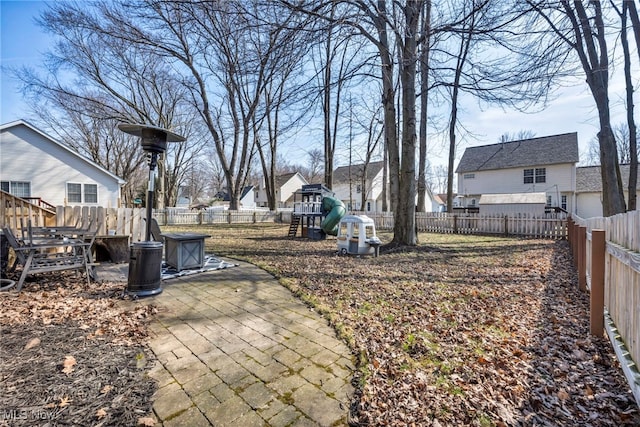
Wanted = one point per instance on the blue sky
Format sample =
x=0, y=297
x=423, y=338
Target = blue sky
x=23, y=42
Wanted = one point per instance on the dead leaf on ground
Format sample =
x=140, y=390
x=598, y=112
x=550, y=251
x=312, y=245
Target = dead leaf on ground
x=33, y=342
x=65, y=401
x=146, y=421
x=68, y=364
x=101, y=413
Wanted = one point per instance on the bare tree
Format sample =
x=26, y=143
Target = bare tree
x=424, y=91
x=113, y=82
x=517, y=136
x=581, y=27
x=628, y=8
x=314, y=171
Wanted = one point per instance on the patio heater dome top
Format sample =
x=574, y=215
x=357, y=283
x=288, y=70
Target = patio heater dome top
x=154, y=138
x=146, y=131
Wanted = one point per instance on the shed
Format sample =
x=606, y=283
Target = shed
x=530, y=203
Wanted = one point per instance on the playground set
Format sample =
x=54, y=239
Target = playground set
x=319, y=213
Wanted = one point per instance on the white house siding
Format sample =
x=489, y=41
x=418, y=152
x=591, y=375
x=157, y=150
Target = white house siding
x=589, y=205
x=283, y=193
x=288, y=189
x=26, y=155
x=507, y=181
x=374, y=194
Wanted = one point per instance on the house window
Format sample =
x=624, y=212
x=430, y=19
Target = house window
x=91, y=193
x=17, y=188
x=74, y=193
x=359, y=188
x=473, y=202
x=563, y=202
x=368, y=206
x=536, y=175
x=548, y=200
x=528, y=176
x=469, y=176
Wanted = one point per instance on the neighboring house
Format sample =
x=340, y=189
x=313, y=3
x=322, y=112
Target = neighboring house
x=349, y=182
x=286, y=186
x=589, y=190
x=247, y=198
x=439, y=202
x=32, y=164
x=537, y=165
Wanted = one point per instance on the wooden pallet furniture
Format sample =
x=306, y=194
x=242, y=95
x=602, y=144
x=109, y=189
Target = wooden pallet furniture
x=48, y=255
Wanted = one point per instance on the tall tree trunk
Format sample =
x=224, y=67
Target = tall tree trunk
x=388, y=98
x=628, y=7
x=465, y=44
x=404, y=224
x=385, y=177
x=595, y=63
x=424, y=87
x=328, y=140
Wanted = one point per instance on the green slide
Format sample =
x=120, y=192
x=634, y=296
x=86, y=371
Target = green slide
x=336, y=211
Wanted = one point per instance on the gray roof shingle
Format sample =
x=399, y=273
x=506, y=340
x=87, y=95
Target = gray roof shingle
x=547, y=150
x=589, y=180
x=341, y=174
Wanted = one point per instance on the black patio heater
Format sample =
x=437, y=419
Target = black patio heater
x=145, y=261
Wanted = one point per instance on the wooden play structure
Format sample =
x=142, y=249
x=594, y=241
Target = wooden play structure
x=316, y=213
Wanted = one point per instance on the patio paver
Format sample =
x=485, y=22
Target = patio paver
x=234, y=347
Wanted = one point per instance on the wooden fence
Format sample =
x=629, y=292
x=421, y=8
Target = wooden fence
x=128, y=221
x=16, y=212
x=607, y=255
x=551, y=226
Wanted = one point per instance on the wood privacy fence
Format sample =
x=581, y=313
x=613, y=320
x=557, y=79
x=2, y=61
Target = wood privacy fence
x=607, y=255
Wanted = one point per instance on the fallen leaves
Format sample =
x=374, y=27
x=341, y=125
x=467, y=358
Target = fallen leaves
x=146, y=422
x=68, y=364
x=33, y=342
x=98, y=310
x=78, y=351
x=64, y=401
x=465, y=330
x=101, y=413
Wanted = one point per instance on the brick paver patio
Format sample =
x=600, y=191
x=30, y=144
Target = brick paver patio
x=235, y=348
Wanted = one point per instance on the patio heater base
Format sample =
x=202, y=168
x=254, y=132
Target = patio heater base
x=145, y=269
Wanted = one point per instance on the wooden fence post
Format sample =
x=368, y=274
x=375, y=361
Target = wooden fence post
x=582, y=258
x=598, y=249
x=574, y=248
x=506, y=225
x=455, y=224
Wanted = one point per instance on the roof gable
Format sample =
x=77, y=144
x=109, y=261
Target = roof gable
x=284, y=178
x=31, y=127
x=589, y=179
x=546, y=150
x=245, y=191
x=341, y=174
